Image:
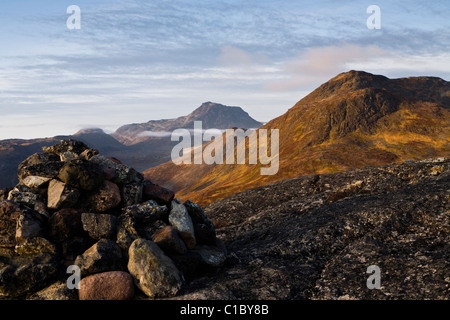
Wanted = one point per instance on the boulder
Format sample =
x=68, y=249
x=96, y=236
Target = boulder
x=30, y=224
x=168, y=239
x=146, y=212
x=154, y=273
x=88, y=154
x=38, y=169
x=82, y=174
x=99, y=225
x=107, y=197
x=113, y=285
x=68, y=156
x=25, y=195
x=105, y=255
x=179, y=218
x=119, y=173
x=61, y=195
x=157, y=193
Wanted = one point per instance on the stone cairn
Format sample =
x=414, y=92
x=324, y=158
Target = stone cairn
x=78, y=213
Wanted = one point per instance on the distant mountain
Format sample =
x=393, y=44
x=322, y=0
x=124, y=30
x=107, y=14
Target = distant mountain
x=212, y=115
x=140, y=146
x=354, y=120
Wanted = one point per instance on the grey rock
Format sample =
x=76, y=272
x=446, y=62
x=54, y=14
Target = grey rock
x=25, y=195
x=154, y=273
x=61, y=195
x=179, y=218
x=105, y=255
x=146, y=212
x=30, y=224
x=211, y=256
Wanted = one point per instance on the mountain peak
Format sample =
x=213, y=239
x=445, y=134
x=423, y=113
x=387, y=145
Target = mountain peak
x=213, y=116
x=90, y=131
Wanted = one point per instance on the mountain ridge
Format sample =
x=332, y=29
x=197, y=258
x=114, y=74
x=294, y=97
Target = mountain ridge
x=143, y=154
x=353, y=120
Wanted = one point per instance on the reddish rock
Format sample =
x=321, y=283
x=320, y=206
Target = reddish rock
x=168, y=239
x=105, y=198
x=113, y=285
x=158, y=193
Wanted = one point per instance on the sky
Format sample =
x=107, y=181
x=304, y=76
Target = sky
x=134, y=61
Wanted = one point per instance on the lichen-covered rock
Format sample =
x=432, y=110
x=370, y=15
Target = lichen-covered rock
x=66, y=146
x=38, y=169
x=314, y=237
x=154, y=273
x=127, y=232
x=105, y=255
x=82, y=174
x=131, y=193
x=9, y=213
x=113, y=285
x=20, y=276
x=107, y=197
x=25, y=195
x=146, y=212
x=99, y=225
x=179, y=218
x=56, y=291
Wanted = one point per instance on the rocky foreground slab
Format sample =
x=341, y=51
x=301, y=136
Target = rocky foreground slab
x=314, y=237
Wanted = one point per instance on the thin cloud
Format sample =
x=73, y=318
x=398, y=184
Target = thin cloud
x=318, y=64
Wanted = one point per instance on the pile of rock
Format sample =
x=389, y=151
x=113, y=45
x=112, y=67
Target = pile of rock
x=75, y=210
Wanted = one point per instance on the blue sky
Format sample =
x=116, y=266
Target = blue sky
x=134, y=61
